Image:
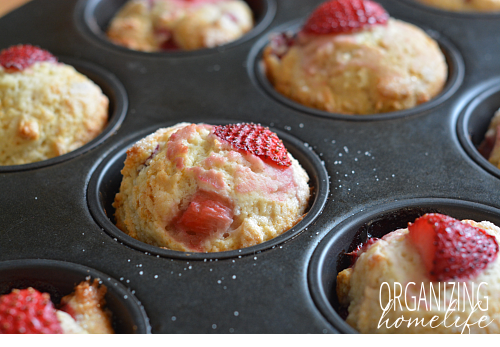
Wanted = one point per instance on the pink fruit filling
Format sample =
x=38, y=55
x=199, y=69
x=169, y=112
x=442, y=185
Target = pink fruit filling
x=281, y=43
x=207, y=214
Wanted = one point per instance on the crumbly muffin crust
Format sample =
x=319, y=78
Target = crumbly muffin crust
x=47, y=110
x=465, y=5
x=86, y=305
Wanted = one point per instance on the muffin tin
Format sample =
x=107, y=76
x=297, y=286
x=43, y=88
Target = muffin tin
x=385, y=168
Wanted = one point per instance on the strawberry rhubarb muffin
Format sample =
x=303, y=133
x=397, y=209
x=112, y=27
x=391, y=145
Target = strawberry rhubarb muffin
x=490, y=147
x=442, y=272
x=46, y=108
x=155, y=25
x=465, y=5
x=204, y=188
x=350, y=57
x=28, y=311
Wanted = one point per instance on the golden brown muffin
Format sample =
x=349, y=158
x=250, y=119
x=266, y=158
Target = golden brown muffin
x=46, y=109
x=156, y=25
x=465, y=5
x=377, y=68
x=185, y=188
x=86, y=306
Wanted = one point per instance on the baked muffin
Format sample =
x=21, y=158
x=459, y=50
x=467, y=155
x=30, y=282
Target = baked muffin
x=204, y=188
x=155, y=25
x=436, y=260
x=46, y=108
x=28, y=311
x=351, y=58
x=490, y=147
x=465, y=5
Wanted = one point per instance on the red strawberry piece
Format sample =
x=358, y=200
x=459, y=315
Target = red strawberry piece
x=255, y=139
x=28, y=311
x=18, y=58
x=491, y=141
x=362, y=247
x=344, y=16
x=450, y=248
x=206, y=214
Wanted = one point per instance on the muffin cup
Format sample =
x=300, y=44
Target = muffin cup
x=59, y=278
x=118, y=103
x=475, y=118
x=256, y=70
x=93, y=17
x=106, y=180
x=329, y=258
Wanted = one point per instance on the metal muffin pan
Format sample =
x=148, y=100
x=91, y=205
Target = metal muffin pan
x=50, y=212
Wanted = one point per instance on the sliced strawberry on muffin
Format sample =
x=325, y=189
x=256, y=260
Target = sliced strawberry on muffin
x=255, y=139
x=27, y=311
x=345, y=16
x=20, y=57
x=439, y=269
x=451, y=249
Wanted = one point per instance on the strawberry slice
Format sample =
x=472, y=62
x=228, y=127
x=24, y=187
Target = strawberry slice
x=28, y=311
x=450, y=248
x=18, y=58
x=206, y=214
x=255, y=139
x=344, y=16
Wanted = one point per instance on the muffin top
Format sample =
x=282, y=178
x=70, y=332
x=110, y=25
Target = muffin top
x=379, y=65
x=157, y=25
x=46, y=108
x=465, y=5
